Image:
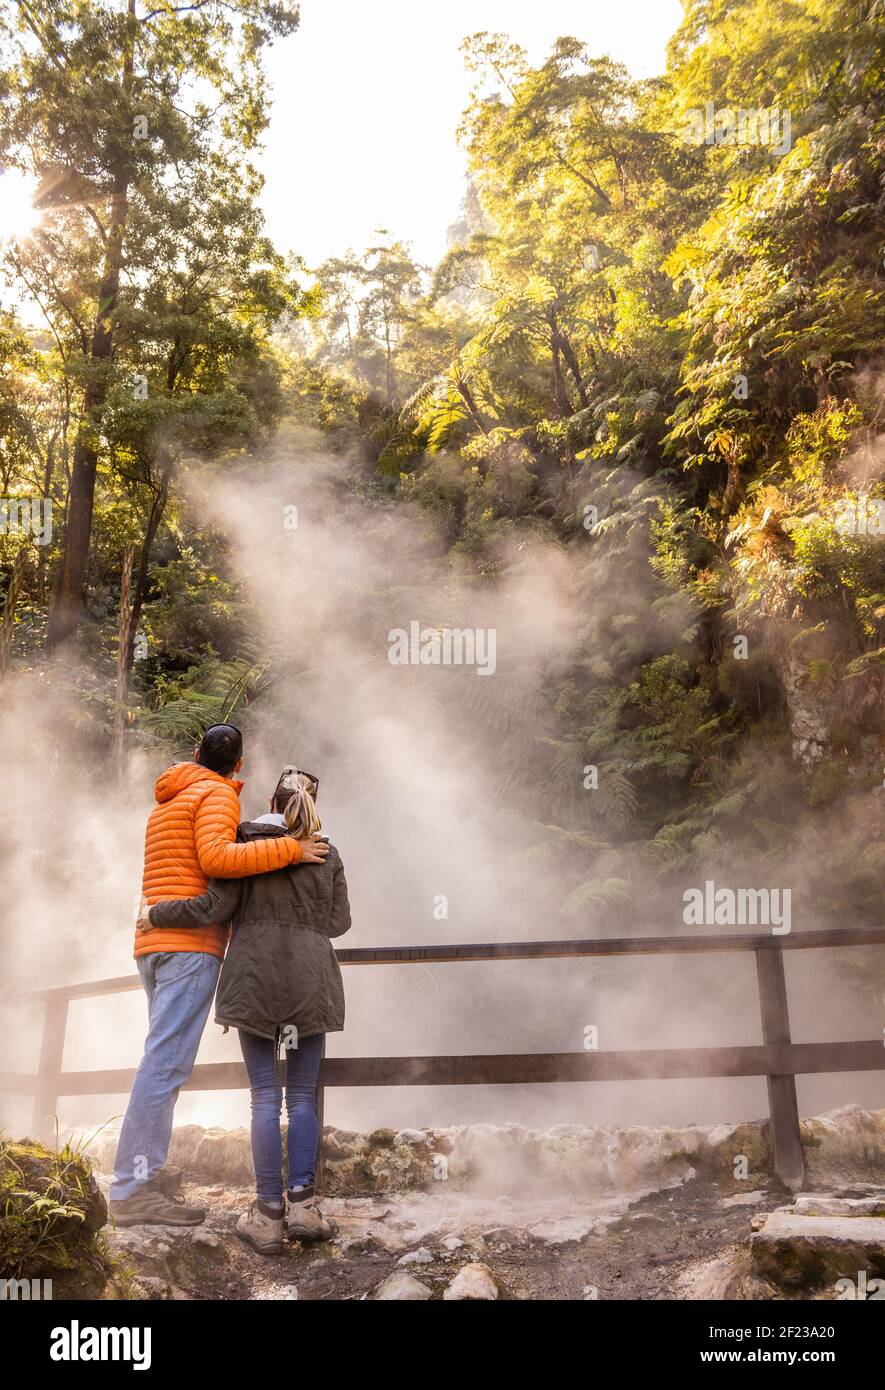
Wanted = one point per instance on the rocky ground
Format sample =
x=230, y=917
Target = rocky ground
x=432, y=1246
x=505, y=1213
x=694, y=1242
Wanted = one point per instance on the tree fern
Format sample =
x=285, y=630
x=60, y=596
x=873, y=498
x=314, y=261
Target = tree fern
x=597, y=892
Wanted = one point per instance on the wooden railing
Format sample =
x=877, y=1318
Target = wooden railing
x=778, y=1058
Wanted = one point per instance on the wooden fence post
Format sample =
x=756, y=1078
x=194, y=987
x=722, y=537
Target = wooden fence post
x=52, y=1049
x=783, y=1108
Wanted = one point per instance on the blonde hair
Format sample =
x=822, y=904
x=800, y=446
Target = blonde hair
x=300, y=813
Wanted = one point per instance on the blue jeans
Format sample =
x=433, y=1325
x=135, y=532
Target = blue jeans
x=180, y=987
x=302, y=1070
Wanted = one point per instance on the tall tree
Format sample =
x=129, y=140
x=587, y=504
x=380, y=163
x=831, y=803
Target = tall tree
x=105, y=102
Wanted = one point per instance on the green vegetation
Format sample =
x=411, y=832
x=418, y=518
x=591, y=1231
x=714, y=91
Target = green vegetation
x=685, y=336
x=51, y=1214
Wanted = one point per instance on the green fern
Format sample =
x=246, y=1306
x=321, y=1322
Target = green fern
x=598, y=892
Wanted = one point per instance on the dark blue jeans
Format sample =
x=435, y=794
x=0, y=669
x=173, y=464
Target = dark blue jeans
x=302, y=1069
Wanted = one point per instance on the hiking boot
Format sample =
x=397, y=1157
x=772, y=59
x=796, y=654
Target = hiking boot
x=304, y=1220
x=168, y=1180
x=263, y=1232
x=151, y=1206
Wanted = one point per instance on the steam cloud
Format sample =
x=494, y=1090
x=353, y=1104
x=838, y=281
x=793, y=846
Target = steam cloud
x=415, y=792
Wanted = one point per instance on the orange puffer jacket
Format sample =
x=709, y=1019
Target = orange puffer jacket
x=191, y=837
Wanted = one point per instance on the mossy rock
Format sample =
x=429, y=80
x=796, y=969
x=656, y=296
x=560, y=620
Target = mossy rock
x=381, y=1138
x=51, y=1214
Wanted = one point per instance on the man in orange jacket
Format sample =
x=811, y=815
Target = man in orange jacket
x=191, y=836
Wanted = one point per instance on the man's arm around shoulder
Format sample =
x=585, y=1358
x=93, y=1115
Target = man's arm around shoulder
x=215, y=835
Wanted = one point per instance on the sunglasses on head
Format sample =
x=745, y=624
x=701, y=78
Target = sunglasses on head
x=288, y=772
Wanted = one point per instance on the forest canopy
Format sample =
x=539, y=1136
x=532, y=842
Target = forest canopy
x=655, y=340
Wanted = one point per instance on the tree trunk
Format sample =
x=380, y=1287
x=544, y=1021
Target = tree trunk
x=388, y=366
x=7, y=622
x=121, y=682
x=571, y=362
x=560, y=399
x=68, y=606
x=47, y=493
x=158, y=507
x=467, y=397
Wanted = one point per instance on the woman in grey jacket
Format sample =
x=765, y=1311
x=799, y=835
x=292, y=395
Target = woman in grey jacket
x=280, y=982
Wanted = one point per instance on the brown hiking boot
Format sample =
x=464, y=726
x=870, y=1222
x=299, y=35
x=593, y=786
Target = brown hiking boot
x=304, y=1220
x=168, y=1180
x=264, y=1233
x=151, y=1206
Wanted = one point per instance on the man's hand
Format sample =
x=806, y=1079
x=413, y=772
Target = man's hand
x=143, y=921
x=313, y=851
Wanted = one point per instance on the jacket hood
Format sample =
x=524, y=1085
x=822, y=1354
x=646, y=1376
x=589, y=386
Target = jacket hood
x=182, y=775
x=252, y=830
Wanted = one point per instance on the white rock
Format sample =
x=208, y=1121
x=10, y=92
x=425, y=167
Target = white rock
x=451, y=1243
x=410, y=1136
x=562, y=1230
x=399, y=1287
x=822, y=1204
x=421, y=1256
x=472, y=1281
x=206, y=1238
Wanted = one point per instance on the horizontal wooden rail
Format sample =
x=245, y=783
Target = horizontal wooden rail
x=778, y=1058
x=507, y=1069
x=528, y=950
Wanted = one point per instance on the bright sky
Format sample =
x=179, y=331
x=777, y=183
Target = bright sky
x=368, y=95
